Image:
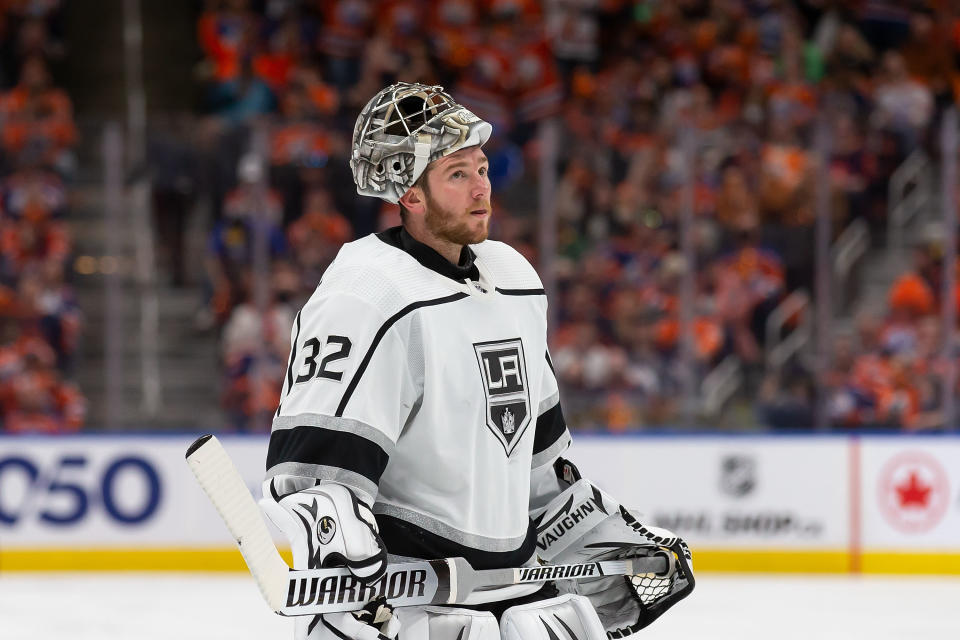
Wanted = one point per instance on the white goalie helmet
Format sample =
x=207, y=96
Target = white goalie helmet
x=404, y=128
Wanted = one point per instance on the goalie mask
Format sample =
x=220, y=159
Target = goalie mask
x=404, y=128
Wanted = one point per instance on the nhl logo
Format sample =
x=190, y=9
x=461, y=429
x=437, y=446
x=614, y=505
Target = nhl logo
x=503, y=371
x=738, y=475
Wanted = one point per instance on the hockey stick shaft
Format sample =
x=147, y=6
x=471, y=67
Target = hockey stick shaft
x=447, y=581
x=318, y=591
x=221, y=481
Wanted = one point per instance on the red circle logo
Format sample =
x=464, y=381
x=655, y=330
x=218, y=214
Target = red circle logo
x=914, y=492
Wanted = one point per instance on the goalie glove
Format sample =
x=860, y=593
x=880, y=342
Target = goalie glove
x=583, y=524
x=327, y=526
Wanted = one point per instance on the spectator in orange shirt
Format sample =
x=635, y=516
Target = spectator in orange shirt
x=927, y=52
x=36, y=400
x=910, y=297
x=536, y=83
x=310, y=95
x=451, y=27
x=345, y=27
x=760, y=271
x=785, y=180
x=909, y=300
x=316, y=237
x=227, y=30
x=283, y=49
x=243, y=98
x=38, y=117
x=898, y=403
x=27, y=243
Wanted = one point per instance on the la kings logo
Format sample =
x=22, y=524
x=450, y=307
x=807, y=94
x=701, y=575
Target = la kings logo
x=503, y=371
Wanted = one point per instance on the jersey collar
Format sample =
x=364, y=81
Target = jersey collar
x=428, y=257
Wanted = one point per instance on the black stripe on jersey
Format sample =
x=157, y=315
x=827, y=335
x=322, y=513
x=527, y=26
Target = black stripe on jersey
x=405, y=539
x=382, y=332
x=293, y=356
x=550, y=427
x=550, y=363
x=339, y=449
x=521, y=292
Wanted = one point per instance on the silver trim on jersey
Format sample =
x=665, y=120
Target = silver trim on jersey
x=549, y=454
x=548, y=403
x=364, y=487
x=346, y=425
x=481, y=543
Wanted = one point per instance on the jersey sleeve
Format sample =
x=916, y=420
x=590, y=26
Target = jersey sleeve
x=346, y=395
x=552, y=436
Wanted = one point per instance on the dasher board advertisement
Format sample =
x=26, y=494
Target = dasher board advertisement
x=910, y=493
x=729, y=492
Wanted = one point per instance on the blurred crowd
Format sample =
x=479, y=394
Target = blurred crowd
x=706, y=108
x=890, y=370
x=39, y=318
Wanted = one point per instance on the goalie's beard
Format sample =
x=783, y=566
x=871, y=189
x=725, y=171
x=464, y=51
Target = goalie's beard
x=456, y=227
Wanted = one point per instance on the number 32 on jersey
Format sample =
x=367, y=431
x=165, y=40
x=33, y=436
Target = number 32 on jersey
x=334, y=348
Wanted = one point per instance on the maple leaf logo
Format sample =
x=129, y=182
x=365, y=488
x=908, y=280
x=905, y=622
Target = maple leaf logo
x=913, y=494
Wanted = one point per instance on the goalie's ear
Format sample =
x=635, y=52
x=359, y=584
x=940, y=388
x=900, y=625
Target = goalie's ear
x=566, y=471
x=414, y=199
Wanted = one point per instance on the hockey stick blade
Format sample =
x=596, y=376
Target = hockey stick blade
x=318, y=591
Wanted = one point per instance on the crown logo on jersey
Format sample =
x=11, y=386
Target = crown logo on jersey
x=503, y=372
x=507, y=419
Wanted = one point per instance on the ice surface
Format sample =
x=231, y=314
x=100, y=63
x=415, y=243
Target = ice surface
x=207, y=606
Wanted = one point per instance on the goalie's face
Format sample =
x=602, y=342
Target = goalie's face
x=454, y=207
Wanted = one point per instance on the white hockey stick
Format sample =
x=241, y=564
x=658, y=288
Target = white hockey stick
x=311, y=591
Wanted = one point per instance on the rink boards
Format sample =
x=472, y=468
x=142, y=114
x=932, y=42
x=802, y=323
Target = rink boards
x=871, y=504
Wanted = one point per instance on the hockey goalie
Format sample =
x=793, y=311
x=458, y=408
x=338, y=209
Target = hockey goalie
x=420, y=416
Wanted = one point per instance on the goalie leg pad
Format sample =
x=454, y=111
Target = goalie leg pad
x=339, y=626
x=446, y=623
x=566, y=617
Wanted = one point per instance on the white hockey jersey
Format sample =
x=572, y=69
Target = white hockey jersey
x=428, y=389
